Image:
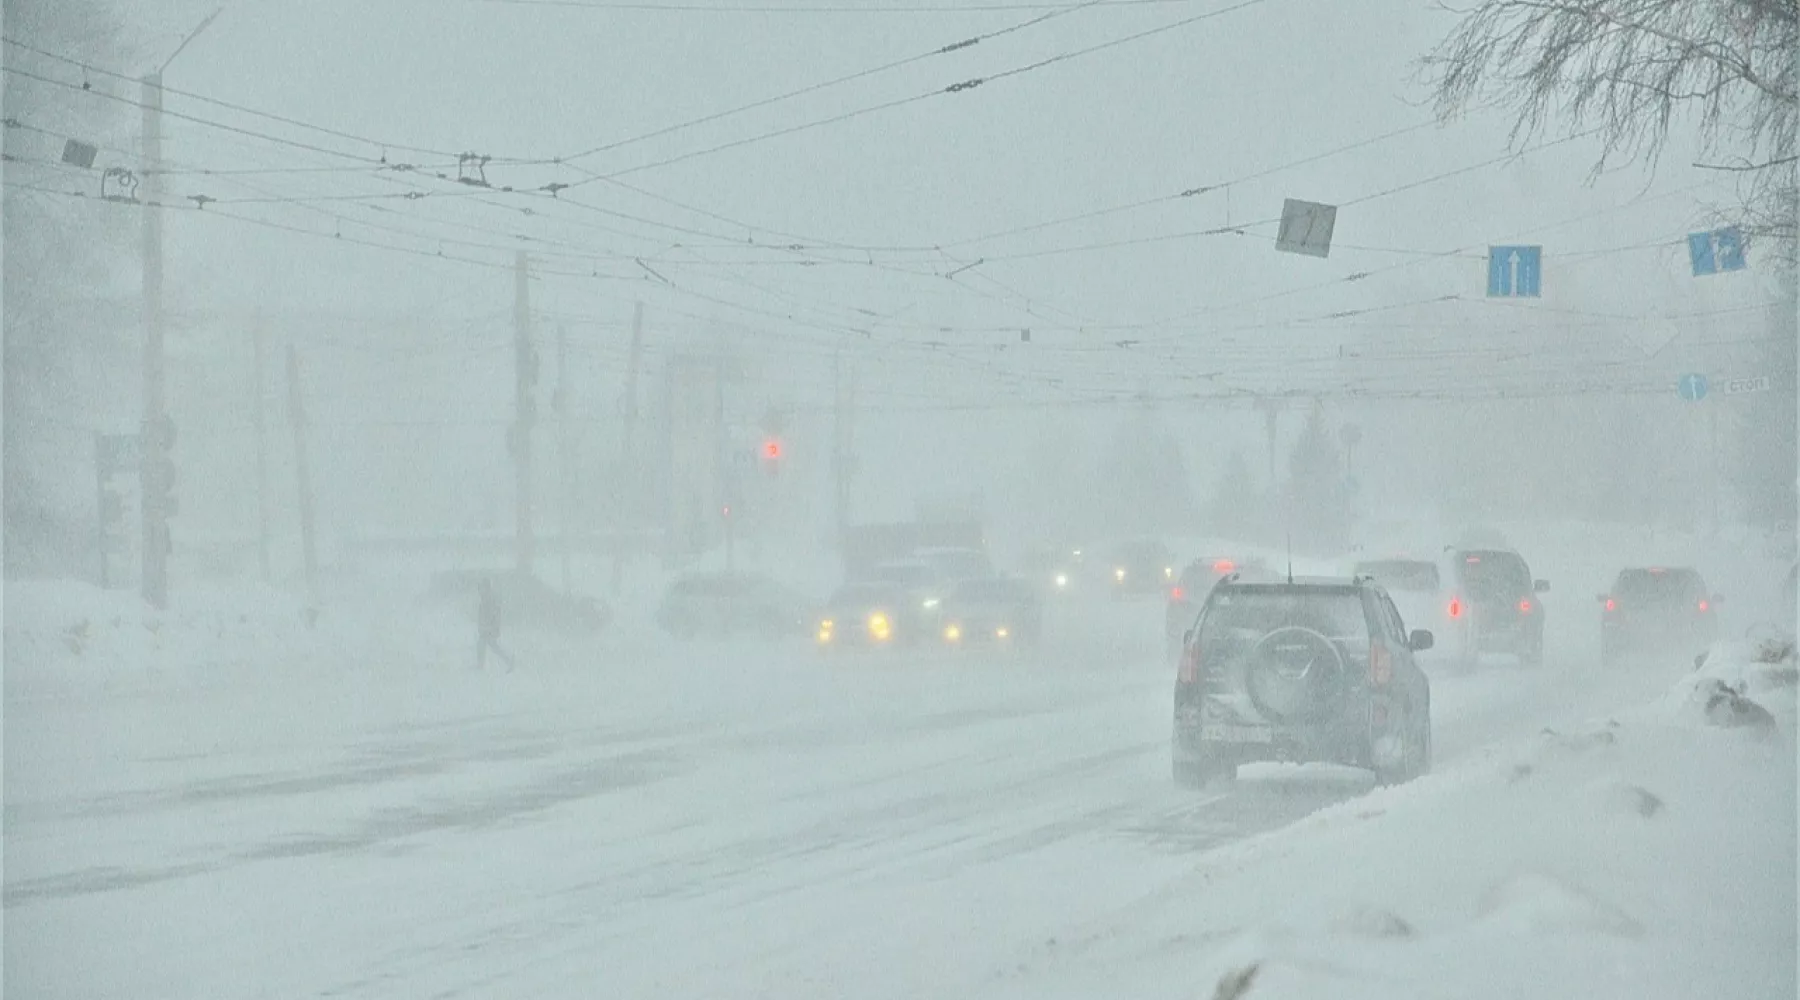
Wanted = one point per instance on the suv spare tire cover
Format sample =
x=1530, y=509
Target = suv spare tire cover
x=1295, y=674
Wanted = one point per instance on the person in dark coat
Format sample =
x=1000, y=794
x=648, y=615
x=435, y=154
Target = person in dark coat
x=487, y=623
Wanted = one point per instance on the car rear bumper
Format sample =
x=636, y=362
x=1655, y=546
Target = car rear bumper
x=1348, y=740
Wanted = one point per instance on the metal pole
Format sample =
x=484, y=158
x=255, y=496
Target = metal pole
x=525, y=362
x=155, y=456
x=260, y=339
x=627, y=487
x=101, y=469
x=1712, y=417
x=302, y=474
x=566, y=454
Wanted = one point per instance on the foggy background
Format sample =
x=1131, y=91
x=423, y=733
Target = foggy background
x=868, y=280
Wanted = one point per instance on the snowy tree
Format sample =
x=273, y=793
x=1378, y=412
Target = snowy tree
x=1317, y=506
x=1238, y=508
x=1630, y=70
x=1144, y=480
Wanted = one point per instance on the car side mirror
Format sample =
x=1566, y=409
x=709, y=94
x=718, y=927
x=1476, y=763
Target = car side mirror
x=1540, y=586
x=1421, y=640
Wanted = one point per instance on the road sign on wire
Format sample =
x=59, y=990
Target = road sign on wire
x=1515, y=272
x=1716, y=250
x=1306, y=228
x=1691, y=387
x=1740, y=386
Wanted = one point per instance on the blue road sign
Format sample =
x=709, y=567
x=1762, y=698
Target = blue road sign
x=1691, y=387
x=1716, y=250
x=1515, y=271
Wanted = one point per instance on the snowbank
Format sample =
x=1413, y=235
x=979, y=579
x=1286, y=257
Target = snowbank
x=1646, y=855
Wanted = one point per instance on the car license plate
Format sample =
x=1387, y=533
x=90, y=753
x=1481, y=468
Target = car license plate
x=1238, y=734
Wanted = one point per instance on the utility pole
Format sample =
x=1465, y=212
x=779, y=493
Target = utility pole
x=525, y=364
x=260, y=339
x=302, y=474
x=566, y=455
x=154, y=440
x=155, y=472
x=844, y=406
x=1271, y=410
x=626, y=489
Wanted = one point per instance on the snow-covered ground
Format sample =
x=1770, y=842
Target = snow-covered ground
x=226, y=801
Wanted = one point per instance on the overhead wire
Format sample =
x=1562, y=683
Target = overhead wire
x=953, y=88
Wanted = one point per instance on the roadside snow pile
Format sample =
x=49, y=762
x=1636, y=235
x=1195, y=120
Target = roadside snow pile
x=1649, y=855
x=63, y=637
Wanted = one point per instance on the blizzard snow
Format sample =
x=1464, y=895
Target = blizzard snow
x=228, y=801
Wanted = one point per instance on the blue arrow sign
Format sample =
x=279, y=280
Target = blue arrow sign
x=1515, y=272
x=1716, y=250
x=1691, y=387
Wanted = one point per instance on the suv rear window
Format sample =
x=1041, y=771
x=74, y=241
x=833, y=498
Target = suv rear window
x=1253, y=612
x=1658, y=585
x=1494, y=574
x=1402, y=574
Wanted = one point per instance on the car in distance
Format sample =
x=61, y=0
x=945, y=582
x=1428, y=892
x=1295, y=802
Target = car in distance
x=730, y=604
x=1139, y=568
x=1305, y=670
x=1655, y=609
x=871, y=614
x=1494, y=605
x=1000, y=609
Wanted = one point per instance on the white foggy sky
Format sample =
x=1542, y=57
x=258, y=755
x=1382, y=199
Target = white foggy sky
x=1229, y=96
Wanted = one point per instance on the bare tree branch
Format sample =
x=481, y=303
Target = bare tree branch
x=1633, y=70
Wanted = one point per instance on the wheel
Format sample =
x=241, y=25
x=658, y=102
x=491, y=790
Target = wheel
x=1415, y=757
x=1200, y=773
x=1533, y=654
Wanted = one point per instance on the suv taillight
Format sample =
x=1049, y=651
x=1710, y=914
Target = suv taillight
x=1381, y=663
x=1190, y=664
x=1455, y=609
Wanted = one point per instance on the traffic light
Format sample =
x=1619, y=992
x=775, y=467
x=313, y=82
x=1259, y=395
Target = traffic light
x=159, y=485
x=771, y=455
x=112, y=507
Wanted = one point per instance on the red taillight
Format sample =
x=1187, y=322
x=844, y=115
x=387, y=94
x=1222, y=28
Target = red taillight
x=1224, y=566
x=1177, y=594
x=1381, y=664
x=1190, y=663
x=1612, y=605
x=1455, y=608
x=1525, y=606
x=1705, y=606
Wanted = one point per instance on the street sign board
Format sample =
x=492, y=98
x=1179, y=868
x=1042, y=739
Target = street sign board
x=1306, y=228
x=1716, y=250
x=1691, y=387
x=1515, y=271
x=1740, y=386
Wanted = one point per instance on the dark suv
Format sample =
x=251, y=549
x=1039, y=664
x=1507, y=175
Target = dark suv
x=1656, y=609
x=1304, y=670
x=1493, y=606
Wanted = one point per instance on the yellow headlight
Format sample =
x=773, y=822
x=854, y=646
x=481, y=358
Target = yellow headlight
x=1002, y=632
x=1062, y=579
x=952, y=633
x=825, y=628
x=1119, y=574
x=879, y=627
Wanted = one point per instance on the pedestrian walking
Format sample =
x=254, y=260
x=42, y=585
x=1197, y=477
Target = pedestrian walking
x=487, y=625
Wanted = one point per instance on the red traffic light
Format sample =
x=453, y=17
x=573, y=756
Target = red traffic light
x=771, y=449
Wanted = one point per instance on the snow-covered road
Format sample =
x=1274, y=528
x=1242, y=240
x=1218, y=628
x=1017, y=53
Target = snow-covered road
x=699, y=821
